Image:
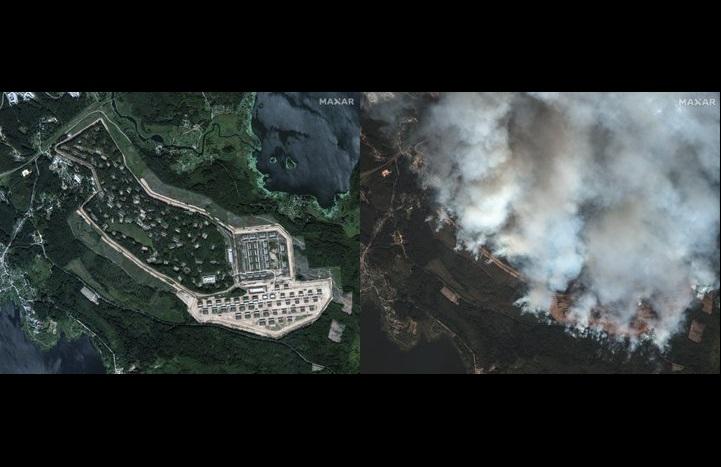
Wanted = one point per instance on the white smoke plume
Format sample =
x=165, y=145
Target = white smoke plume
x=616, y=193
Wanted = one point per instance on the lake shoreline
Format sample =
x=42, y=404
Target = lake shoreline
x=20, y=355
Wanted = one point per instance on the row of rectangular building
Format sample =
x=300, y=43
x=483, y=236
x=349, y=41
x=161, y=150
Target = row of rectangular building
x=278, y=307
x=255, y=257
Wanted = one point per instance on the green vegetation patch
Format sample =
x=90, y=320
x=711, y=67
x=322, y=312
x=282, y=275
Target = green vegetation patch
x=92, y=240
x=188, y=130
x=26, y=125
x=19, y=188
x=133, y=231
x=179, y=243
x=313, y=341
x=116, y=285
x=39, y=271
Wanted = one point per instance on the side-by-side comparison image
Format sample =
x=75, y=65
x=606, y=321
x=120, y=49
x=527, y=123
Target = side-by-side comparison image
x=336, y=233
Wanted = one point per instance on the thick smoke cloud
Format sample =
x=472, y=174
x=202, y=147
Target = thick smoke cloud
x=616, y=193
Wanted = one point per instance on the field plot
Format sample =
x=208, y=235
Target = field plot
x=179, y=243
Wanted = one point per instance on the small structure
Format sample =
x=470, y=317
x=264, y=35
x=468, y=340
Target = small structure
x=385, y=173
x=26, y=172
x=14, y=97
x=450, y=295
x=708, y=303
x=559, y=307
x=695, y=334
x=348, y=303
x=89, y=294
x=398, y=238
x=209, y=279
x=336, y=331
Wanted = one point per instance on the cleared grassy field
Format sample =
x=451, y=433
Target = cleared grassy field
x=20, y=188
x=120, y=288
x=121, y=279
x=83, y=232
x=133, y=231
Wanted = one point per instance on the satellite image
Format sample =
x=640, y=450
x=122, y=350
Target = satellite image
x=540, y=232
x=198, y=232
x=272, y=232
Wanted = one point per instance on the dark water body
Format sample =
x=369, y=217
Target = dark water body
x=18, y=354
x=323, y=142
x=380, y=355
